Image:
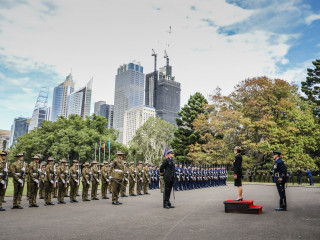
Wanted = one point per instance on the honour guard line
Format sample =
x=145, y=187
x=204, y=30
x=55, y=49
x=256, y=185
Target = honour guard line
x=53, y=180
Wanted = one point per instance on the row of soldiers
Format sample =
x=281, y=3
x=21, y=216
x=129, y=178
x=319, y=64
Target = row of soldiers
x=53, y=179
x=193, y=177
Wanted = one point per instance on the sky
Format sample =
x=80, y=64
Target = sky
x=210, y=43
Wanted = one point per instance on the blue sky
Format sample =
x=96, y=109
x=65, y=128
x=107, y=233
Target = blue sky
x=211, y=43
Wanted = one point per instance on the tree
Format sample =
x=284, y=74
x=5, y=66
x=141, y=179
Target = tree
x=71, y=138
x=185, y=134
x=261, y=115
x=311, y=87
x=151, y=140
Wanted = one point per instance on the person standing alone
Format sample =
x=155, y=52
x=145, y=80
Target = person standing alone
x=167, y=170
x=237, y=168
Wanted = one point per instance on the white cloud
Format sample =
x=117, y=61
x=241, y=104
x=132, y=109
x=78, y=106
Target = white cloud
x=311, y=18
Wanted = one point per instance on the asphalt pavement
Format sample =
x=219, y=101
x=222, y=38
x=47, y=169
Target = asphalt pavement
x=199, y=214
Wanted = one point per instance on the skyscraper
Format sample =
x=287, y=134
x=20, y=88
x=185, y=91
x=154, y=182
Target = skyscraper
x=60, y=98
x=79, y=102
x=133, y=119
x=18, y=128
x=97, y=107
x=107, y=110
x=129, y=93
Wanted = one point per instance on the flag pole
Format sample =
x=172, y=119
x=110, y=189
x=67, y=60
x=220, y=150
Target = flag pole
x=99, y=150
x=109, y=144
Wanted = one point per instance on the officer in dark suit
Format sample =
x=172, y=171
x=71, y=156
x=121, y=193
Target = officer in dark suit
x=280, y=177
x=167, y=170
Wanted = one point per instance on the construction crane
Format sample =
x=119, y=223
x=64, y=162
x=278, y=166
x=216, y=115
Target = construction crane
x=155, y=60
x=167, y=57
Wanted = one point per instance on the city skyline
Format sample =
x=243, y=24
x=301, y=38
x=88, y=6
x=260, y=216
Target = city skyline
x=209, y=44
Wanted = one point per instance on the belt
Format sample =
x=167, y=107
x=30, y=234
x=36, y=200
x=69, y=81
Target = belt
x=1, y=174
x=34, y=174
x=118, y=170
x=18, y=174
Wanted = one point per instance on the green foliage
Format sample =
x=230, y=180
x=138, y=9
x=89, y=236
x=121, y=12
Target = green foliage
x=185, y=135
x=150, y=141
x=261, y=115
x=72, y=138
x=311, y=87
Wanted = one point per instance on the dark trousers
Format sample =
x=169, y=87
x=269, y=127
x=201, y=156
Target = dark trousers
x=299, y=180
x=282, y=194
x=167, y=191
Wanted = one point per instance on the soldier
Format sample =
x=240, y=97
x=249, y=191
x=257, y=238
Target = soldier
x=4, y=171
x=42, y=176
x=104, y=180
x=74, y=181
x=95, y=181
x=280, y=175
x=167, y=170
x=125, y=181
x=146, y=178
x=49, y=182
x=68, y=180
x=18, y=170
x=139, y=178
x=85, y=181
x=55, y=190
x=34, y=180
x=62, y=181
x=132, y=179
x=116, y=173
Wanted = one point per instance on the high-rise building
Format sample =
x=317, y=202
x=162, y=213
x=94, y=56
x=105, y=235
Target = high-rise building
x=79, y=102
x=107, y=110
x=167, y=96
x=129, y=93
x=18, y=128
x=97, y=107
x=60, y=98
x=4, y=136
x=41, y=110
x=134, y=119
x=150, y=88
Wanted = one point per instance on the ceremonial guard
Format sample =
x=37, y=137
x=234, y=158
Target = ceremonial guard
x=68, y=180
x=55, y=190
x=18, y=170
x=116, y=173
x=167, y=170
x=34, y=180
x=95, y=181
x=125, y=181
x=63, y=175
x=49, y=182
x=132, y=179
x=85, y=181
x=146, y=178
x=104, y=180
x=42, y=176
x=4, y=172
x=74, y=181
x=280, y=177
x=139, y=178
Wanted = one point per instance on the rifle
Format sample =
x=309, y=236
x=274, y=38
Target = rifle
x=99, y=173
x=54, y=176
x=24, y=172
x=5, y=175
x=39, y=174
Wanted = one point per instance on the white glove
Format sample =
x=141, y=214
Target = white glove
x=97, y=180
x=68, y=181
x=2, y=182
x=66, y=171
x=37, y=181
x=76, y=181
x=39, y=170
x=23, y=169
x=140, y=179
x=110, y=177
x=134, y=180
x=51, y=182
x=20, y=181
x=6, y=169
x=107, y=180
x=99, y=171
x=88, y=182
x=63, y=181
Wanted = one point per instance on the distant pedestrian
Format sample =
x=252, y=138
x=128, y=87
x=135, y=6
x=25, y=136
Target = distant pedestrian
x=299, y=176
x=291, y=180
x=309, y=174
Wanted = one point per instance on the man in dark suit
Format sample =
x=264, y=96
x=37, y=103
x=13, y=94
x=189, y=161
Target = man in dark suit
x=167, y=170
x=280, y=177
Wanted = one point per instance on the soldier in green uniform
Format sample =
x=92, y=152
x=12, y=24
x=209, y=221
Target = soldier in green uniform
x=34, y=180
x=62, y=173
x=18, y=170
x=55, y=190
x=132, y=179
x=95, y=181
x=124, y=181
x=85, y=181
x=146, y=178
x=74, y=181
x=116, y=173
x=68, y=180
x=49, y=182
x=42, y=176
x=4, y=171
x=139, y=178
x=104, y=180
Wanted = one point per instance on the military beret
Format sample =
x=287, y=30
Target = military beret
x=19, y=155
x=276, y=153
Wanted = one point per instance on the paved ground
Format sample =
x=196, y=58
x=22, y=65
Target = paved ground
x=199, y=214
